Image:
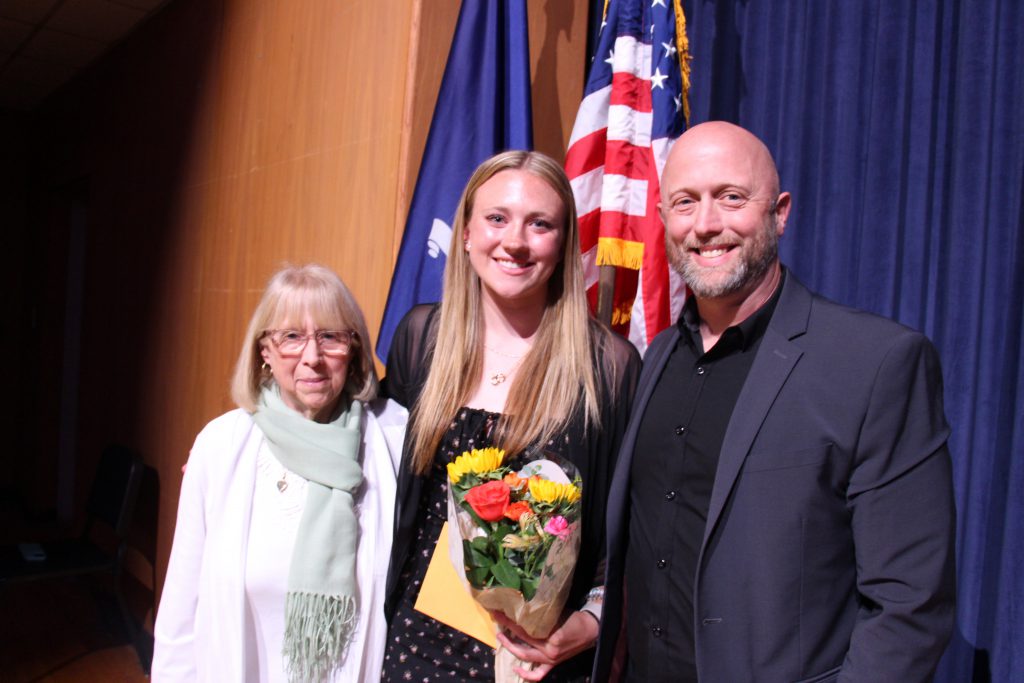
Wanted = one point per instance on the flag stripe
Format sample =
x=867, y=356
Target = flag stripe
x=588, y=154
x=632, y=91
x=587, y=187
x=629, y=125
x=621, y=194
x=592, y=117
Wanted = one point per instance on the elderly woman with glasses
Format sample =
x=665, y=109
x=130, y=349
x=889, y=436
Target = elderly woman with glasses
x=285, y=518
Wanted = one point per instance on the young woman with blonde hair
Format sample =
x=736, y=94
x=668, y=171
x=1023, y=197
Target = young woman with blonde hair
x=510, y=357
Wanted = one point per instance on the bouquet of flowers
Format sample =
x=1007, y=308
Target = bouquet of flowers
x=518, y=537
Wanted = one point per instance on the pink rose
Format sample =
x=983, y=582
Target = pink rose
x=557, y=526
x=489, y=500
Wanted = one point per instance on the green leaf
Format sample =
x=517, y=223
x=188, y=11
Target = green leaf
x=506, y=574
x=529, y=588
x=504, y=528
x=480, y=559
x=478, y=576
x=467, y=549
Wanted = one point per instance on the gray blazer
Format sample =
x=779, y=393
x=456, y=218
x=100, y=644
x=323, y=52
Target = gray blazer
x=828, y=552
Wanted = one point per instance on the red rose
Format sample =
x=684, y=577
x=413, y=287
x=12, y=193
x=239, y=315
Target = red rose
x=517, y=510
x=489, y=500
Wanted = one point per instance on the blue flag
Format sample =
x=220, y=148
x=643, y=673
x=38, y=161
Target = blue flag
x=483, y=108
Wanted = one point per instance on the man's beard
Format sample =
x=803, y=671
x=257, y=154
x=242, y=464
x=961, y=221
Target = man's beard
x=756, y=258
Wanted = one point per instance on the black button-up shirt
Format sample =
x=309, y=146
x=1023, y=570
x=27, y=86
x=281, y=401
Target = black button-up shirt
x=672, y=474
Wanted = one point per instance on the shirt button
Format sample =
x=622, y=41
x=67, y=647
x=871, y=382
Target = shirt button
x=680, y=430
x=656, y=631
x=671, y=495
x=700, y=370
x=661, y=564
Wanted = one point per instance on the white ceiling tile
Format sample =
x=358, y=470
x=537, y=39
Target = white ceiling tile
x=13, y=34
x=44, y=42
x=62, y=48
x=148, y=5
x=31, y=11
x=97, y=19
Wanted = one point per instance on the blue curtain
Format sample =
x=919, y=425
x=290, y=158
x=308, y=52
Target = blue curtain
x=899, y=128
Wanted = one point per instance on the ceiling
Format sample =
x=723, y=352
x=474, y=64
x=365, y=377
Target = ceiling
x=44, y=43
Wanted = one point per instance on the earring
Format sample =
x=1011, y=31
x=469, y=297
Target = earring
x=467, y=245
x=264, y=367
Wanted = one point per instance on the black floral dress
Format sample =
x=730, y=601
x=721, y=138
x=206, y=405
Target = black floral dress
x=418, y=647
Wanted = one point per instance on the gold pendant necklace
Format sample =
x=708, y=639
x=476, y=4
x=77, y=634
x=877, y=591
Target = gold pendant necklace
x=500, y=376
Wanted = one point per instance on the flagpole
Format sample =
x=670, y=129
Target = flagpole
x=605, y=294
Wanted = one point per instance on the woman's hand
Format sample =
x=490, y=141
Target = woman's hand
x=576, y=634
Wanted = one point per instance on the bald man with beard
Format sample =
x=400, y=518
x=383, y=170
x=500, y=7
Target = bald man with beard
x=782, y=507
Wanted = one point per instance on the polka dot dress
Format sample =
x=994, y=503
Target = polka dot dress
x=420, y=648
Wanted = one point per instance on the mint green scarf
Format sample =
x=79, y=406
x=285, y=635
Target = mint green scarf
x=320, y=607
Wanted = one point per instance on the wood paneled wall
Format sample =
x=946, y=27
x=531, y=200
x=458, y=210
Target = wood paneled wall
x=221, y=140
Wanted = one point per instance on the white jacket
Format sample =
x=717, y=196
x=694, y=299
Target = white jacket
x=199, y=626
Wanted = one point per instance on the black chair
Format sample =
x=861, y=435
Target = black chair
x=101, y=547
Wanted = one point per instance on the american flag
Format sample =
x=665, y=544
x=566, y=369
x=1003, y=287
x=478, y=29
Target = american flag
x=634, y=106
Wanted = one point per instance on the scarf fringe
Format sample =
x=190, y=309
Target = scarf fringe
x=317, y=631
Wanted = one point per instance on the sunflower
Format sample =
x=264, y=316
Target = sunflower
x=477, y=461
x=546, y=491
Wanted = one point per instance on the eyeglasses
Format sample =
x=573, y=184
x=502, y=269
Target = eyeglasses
x=331, y=342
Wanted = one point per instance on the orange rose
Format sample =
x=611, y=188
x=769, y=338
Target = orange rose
x=514, y=481
x=489, y=500
x=517, y=510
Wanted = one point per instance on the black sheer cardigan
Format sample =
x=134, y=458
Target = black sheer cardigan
x=593, y=451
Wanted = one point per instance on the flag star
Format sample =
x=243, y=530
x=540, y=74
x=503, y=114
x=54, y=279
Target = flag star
x=658, y=79
x=611, y=57
x=678, y=99
x=604, y=22
x=670, y=49
x=655, y=3
x=652, y=29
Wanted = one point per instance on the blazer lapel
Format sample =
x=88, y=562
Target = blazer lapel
x=618, y=495
x=776, y=357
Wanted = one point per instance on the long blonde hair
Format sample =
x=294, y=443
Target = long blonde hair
x=292, y=292
x=555, y=378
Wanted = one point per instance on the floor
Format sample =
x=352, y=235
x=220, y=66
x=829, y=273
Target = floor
x=61, y=630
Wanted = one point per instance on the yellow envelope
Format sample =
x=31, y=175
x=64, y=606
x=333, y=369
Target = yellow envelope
x=443, y=597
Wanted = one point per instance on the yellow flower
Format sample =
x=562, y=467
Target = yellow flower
x=477, y=461
x=517, y=542
x=546, y=491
